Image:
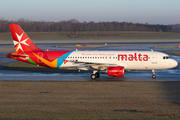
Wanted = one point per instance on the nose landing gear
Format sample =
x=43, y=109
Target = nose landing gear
x=153, y=74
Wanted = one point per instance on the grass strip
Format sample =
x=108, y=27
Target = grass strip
x=89, y=100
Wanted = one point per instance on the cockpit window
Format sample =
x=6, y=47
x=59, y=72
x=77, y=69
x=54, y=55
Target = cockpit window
x=166, y=57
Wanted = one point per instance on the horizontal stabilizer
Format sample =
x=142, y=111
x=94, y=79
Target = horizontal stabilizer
x=16, y=55
x=19, y=55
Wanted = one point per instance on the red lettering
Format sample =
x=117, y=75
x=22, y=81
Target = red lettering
x=135, y=57
x=145, y=58
x=131, y=57
x=122, y=57
x=139, y=56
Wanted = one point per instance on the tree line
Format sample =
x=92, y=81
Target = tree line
x=74, y=25
x=176, y=27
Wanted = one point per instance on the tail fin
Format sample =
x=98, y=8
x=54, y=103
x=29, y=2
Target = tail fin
x=22, y=42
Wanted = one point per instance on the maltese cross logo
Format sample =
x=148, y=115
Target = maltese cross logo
x=65, y=61
x=20, y=42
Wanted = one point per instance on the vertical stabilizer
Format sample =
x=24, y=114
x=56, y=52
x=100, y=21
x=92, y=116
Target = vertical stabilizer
x=22, y=42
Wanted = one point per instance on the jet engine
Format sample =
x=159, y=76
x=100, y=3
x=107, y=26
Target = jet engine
x=116, y=71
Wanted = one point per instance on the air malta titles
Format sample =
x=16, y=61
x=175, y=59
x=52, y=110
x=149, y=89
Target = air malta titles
x=131, y=57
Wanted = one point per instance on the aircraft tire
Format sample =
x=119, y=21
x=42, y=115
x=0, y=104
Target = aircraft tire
x=93, y=76
x=97, y=74
x=154, y=76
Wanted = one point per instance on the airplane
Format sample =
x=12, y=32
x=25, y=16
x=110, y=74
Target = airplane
x=113, y=63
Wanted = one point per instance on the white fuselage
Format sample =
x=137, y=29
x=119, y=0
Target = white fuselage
x=114, y=63
x=130, y=60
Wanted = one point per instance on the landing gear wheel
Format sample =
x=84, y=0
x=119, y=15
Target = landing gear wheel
x=97, y=74
x=93, y=76
x=154, y=76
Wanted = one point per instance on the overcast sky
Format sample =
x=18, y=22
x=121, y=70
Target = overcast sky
x=139, y=11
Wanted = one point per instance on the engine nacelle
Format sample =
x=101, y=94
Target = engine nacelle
x=115, y=71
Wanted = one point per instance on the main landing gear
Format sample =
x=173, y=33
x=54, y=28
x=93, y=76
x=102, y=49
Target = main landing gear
x=153, y=74
x=95, y=75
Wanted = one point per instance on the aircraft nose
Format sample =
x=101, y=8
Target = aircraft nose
x=174, y=63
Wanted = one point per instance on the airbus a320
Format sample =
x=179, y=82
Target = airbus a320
x=113, y=63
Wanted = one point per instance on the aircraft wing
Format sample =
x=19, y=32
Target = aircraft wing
x=94, y=65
